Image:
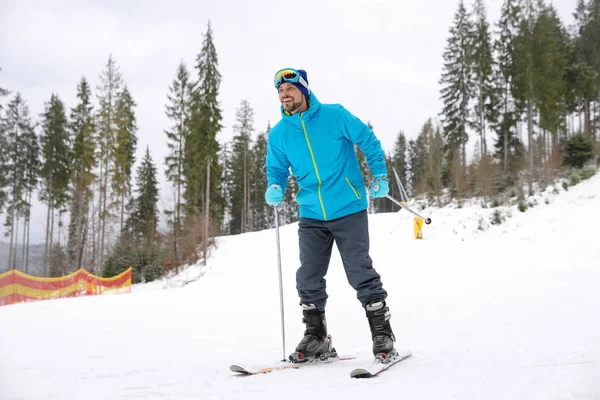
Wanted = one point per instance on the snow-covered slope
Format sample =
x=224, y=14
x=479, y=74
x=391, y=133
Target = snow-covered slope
x=506, y=311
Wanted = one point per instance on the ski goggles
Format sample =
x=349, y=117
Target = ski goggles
x=289, y=75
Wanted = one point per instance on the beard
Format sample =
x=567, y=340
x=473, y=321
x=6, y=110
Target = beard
x=293, y=106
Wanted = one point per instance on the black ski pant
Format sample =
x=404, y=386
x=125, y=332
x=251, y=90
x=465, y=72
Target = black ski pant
x=351, y=235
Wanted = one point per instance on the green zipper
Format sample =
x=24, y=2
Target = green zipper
x=355, y=191
x=312, y=155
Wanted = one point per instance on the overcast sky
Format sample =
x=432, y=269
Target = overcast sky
x=381, y=59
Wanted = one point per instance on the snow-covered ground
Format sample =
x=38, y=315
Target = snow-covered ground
x=508, y=311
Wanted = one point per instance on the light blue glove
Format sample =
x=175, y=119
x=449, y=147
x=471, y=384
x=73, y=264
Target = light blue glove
x=380, y=187
x=274, y=195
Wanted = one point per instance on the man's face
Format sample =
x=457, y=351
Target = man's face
x=290, y=97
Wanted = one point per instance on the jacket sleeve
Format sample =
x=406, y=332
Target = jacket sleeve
x=360, y=134
x=277, y=164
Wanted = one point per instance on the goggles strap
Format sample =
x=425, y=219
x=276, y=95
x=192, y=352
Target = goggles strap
x=303, y=83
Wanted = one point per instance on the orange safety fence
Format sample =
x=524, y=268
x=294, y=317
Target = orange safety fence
x=18, y=287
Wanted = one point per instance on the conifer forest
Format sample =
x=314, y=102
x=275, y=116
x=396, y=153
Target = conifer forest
x=521, y=108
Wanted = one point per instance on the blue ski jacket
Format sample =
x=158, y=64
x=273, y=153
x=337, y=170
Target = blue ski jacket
x=318, y=145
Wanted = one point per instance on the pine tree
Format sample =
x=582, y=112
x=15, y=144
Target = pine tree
x=288, y=209
x=364, y=166
x=435, y=164
x=581, y=76
x=226, y=192
x=482, y=64
x=432, y=148
x=579, y=149
x=178, y=111
x=588, y=55
x=123, y=152
x=592, y=38
x=505, y=113
x=31, y=172
x=111, y=82
x=55, y=169
x=19, y=169
x=457, y=83
x=203, y=194
x=400, y=164
x=239, y=167
x=426, y=156
x=144, y=219
x=416, y=164
x=139, y=245
x=59, y=264
x=258, y=181
x=549, y=72
x=3, y=164
x=523, y=78
x=3, y=146
x=83, y=133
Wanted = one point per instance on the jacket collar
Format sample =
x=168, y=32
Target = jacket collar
x=313, y=106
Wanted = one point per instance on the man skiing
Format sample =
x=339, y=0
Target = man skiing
x=317, y=141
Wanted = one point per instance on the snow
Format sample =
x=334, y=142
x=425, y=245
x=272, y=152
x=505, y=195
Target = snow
x=507, y=311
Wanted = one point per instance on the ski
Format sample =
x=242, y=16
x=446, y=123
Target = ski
x=379, y=366
x=244, y=371
x=296, y=360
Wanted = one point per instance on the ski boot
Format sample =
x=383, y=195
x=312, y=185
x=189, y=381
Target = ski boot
x=381, y=332
x=316, y=344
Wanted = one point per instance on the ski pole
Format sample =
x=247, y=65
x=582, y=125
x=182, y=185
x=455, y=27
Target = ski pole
x=280, y=282
x=427, y=220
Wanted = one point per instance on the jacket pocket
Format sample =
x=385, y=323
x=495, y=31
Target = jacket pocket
x=353, y=189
